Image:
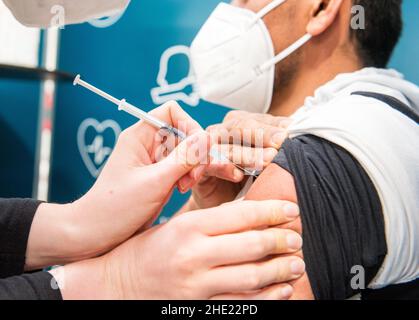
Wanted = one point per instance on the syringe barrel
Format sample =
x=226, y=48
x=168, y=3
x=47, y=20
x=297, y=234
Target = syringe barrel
x=157, y=123
x=140, y=114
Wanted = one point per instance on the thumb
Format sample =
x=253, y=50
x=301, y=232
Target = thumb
x=191, y=153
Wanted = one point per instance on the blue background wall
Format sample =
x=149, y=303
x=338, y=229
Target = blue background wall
x=18, y=125
x=405, y=58
x=123, y=59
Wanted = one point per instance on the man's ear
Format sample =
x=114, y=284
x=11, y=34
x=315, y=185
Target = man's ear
x=323, y=15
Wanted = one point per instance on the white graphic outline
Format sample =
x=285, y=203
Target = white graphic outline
x=106, y=22
x=166, y=91
x=100, y=127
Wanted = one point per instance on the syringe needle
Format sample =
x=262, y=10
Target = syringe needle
x=222, y=157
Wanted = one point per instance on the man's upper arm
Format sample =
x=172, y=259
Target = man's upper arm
x=277, y=183
x=341, y=217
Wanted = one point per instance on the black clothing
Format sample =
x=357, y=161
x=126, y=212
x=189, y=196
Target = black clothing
x=341, y=213
x=16, y=216
x=343, y=224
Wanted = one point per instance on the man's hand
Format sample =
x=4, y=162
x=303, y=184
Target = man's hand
x=248, y=139
x=224, y=252
x=129, y=194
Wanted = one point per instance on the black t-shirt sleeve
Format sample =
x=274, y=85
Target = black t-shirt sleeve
x=341, y=214
x=16, y=216
x=35, y=286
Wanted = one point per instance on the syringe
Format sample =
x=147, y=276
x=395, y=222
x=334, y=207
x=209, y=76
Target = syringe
x=136, y=112
x=123, y=105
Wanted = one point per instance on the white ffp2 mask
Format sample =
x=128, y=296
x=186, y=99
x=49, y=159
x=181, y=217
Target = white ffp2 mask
x=40, y=13
x=234, y=60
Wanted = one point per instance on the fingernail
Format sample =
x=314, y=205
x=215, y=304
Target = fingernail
x=298, y=267
x=294, y=241
x=291, y=210
x=237, y=174
x=180, y=186
x=287, y=292
x=183, y=187
x=182, y=190
x=278, y=139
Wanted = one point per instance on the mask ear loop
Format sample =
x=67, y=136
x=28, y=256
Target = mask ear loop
x=288, y=51
x=263, y=12
x=284, y=54
x=270, y=7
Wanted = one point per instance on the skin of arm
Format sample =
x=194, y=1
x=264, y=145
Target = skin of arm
x=277, y=183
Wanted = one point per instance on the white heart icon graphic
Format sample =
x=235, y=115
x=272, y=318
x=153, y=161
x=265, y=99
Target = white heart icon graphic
x=97, y=148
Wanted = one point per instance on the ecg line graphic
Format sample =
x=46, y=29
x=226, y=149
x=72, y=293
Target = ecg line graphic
x=97, y=147
x=99, y=151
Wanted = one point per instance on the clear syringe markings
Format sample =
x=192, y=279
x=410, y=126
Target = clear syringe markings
x=136, y=112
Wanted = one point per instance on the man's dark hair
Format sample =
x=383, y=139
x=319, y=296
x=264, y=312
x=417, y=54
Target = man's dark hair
x=383, y=28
